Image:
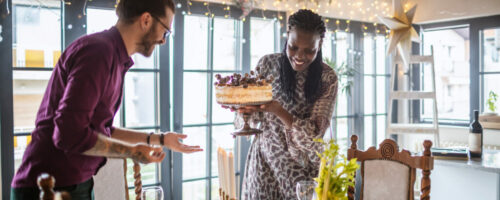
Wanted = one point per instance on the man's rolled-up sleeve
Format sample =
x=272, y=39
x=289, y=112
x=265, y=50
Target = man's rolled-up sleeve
x=88, y=73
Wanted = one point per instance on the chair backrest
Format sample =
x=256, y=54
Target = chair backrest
x=137, y=180
x=111, y=180
x=388, y=173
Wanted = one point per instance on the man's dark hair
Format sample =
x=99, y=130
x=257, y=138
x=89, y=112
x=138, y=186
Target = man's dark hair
x=129, y=10
x=308, y=21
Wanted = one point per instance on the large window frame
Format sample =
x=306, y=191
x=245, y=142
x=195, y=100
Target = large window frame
x=73, y=23
x=170, y=117
x=476, y=26
x=243, y=62
x=356, y=116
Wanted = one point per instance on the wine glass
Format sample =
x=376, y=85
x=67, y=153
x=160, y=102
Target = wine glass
x=152, y=193
x=305, y=190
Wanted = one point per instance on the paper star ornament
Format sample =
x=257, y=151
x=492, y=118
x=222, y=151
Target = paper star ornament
x=402, y=32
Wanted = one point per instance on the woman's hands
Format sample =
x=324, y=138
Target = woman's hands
x=272, y=107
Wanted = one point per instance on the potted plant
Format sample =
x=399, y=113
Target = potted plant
x=345, y=73
x=491, y=103
x=336, y=173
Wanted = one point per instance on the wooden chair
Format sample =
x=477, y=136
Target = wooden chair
x=111, y=180
x=388, y=174
x=46, y=184
x=137, y=181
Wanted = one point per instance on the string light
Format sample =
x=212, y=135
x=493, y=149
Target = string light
x=228, y=9
x=363, y=29
x=366, y=11
x=208, y=13
x=337, y=24
x=347, y=29
x=189, y=4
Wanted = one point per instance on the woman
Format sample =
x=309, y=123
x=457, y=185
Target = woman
x=304, y=94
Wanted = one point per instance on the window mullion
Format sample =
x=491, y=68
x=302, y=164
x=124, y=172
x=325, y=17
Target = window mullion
x=211, y=28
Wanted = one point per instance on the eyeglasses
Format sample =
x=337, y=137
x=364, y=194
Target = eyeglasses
x=167, y=32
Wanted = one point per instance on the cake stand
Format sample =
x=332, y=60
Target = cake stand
x=246, y=130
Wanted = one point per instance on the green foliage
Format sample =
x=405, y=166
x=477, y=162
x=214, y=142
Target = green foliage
x=344, y=74
x=492, y=99
x=336, y=173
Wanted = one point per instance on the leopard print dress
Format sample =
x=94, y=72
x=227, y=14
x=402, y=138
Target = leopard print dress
x=280, y=157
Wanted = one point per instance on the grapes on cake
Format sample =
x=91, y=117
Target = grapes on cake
x=243, y=89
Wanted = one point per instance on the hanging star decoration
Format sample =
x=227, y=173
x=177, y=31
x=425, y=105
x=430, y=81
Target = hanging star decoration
x=402, y=32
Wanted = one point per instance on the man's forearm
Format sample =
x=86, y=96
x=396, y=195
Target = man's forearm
x=108, y=147
x=134, y=137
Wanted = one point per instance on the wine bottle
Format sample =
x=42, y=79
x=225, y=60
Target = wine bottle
x=476, y=137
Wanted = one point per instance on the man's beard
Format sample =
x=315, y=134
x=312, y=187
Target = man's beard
x=146, y=46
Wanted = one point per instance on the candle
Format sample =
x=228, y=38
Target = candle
x=226, y=172
x=232, y=176
x=219, y=167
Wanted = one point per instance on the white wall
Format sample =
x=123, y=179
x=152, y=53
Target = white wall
x=446, y=10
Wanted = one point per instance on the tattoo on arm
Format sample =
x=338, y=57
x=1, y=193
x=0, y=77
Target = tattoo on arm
x=108, y=147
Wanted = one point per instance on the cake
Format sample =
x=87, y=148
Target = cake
x=243, y=89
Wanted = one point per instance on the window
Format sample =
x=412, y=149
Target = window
x=211, y=46
x=263, y=38
x=336, y=47
x=347, y=115
x=451, y=62
x=344, y=117
x=376, y=79
x=328, y=43
x=33, y=61
x=490, y=65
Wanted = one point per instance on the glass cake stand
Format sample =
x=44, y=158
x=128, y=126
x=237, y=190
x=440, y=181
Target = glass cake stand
x=246, y=130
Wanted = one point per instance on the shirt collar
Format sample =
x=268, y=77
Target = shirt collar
x=121, y=50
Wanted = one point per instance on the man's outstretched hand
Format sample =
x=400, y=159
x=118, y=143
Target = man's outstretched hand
x=171, y=141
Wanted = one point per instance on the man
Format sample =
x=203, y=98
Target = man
x=74, y=129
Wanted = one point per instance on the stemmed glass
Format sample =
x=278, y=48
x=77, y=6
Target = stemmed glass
x=305, y=190
x=152, y=193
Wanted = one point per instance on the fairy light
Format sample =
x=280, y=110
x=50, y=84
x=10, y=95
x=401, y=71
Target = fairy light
x=208, y=13
x=365, y=11
x=189, y=4
x=337, y=25
x=364, y=28
x=228, y=9
x=347, y=29
x=375, y=27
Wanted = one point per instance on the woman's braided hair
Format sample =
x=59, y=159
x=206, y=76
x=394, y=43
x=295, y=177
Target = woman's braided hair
x=308, y=21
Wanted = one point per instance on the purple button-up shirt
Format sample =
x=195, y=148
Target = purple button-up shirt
x=81, y=99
